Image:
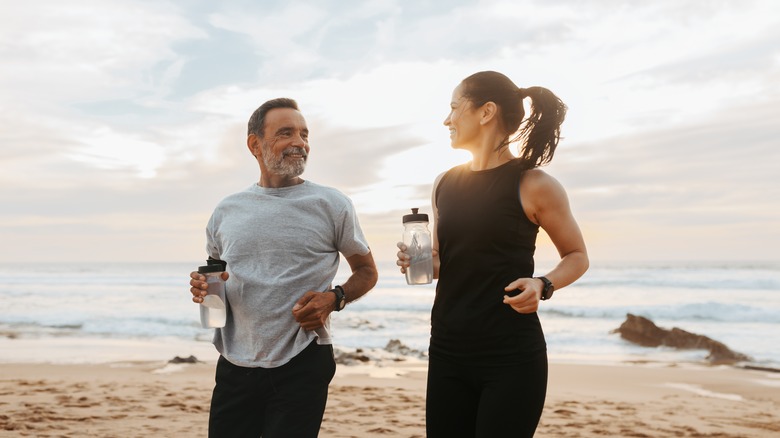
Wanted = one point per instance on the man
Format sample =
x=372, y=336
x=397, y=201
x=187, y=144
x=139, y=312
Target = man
x=281, y=239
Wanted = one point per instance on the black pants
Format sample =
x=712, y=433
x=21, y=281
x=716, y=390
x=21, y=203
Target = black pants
x=286, y=402
x=485, y=401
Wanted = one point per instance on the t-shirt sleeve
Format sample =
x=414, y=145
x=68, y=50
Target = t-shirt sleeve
x=212, y=248
x=350, y=238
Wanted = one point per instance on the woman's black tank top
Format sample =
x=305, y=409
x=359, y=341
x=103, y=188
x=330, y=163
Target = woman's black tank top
x=485, y=242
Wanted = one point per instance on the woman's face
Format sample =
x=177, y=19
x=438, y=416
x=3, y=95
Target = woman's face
x=463, y=120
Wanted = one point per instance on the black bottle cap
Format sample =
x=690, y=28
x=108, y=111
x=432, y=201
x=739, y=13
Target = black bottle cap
x=213, y=261
x=212, y=265
x=415, y=217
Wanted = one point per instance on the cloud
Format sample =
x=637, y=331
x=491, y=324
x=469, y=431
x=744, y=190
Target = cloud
x=350, y=158
x=81, y=50
x=60, y=61
x=125, y=122
x=646, y=192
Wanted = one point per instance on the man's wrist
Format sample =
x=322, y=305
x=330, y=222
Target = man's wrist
x=341, y=298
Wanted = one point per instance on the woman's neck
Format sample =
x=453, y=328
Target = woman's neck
x=487, y=157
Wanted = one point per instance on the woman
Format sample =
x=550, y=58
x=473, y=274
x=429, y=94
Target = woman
x=487, y=373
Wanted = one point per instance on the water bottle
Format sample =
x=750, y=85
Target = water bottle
x=213, y=310
x=417, y=239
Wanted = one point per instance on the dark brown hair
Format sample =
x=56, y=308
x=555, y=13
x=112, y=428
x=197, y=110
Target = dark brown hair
x=539, y=134
x=256, y=124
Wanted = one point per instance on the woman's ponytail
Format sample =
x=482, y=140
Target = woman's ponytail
x=540, y=132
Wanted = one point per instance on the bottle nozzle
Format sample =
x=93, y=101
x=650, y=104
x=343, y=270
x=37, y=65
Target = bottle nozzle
x=415, y=216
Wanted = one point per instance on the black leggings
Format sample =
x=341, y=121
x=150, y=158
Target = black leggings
x=485, y=401
x=283, y=402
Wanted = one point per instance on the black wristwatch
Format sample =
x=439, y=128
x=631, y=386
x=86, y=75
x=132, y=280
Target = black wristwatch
x=549, y=288
x=341, y=299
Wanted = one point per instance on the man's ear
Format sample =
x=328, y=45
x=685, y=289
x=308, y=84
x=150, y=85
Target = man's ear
x=488, y=112
x=253, y=143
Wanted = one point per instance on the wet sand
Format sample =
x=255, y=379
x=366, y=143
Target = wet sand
x=136, y=399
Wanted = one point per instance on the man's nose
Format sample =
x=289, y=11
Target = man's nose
x=298, y=140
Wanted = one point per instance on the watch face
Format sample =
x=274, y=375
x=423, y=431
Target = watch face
x=547, y=292
x=341, y=299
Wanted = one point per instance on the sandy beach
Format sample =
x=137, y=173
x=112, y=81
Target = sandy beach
x=135, y=399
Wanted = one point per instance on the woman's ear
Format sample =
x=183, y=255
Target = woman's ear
x=488, y=112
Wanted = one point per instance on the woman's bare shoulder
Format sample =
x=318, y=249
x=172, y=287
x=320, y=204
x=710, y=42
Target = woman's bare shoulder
x=539, y=187
x=537, y=178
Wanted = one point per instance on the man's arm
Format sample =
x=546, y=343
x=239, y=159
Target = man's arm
x=363, y=279
x=312, y=309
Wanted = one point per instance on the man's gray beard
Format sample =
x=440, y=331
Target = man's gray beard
x=282, y=168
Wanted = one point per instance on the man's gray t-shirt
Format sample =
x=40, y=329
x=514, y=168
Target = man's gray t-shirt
x=278, y=243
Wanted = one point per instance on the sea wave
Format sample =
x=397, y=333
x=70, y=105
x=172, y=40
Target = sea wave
x=673, y=279
x=736, y=304
x=705, y=311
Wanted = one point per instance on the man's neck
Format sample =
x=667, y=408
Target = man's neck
x=276, y=181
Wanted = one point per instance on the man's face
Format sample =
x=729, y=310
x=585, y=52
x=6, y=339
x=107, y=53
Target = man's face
x=285, y=144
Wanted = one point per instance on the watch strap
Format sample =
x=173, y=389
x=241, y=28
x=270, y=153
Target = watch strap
x=341, y=298
x=549, y=288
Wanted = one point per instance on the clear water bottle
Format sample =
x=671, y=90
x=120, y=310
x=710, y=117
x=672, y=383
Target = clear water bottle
x=417, y=239
x=213, y=310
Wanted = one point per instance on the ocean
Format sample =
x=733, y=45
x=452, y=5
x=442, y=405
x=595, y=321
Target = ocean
x=96, y=312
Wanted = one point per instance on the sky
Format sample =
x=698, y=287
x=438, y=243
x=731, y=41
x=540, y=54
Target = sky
x=123, y=123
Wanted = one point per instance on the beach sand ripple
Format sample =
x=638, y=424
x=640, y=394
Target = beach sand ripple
x=148, y=399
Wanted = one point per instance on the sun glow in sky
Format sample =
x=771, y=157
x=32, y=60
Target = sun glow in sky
x=122, y=123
